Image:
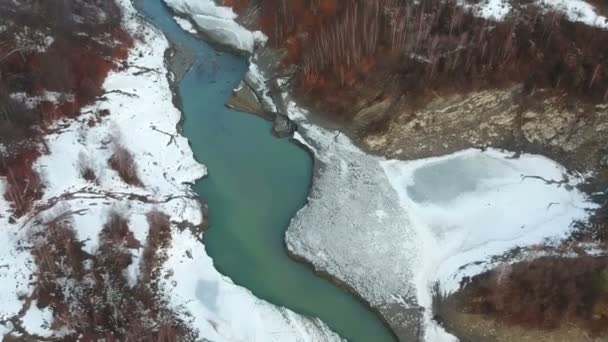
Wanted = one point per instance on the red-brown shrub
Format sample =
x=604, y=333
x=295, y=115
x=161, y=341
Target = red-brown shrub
x=122, y=162
x=96, y=301
x=159, y=239
x=546, y=293
x=420, y=49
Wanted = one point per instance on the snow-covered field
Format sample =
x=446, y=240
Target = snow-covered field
x=143, y=119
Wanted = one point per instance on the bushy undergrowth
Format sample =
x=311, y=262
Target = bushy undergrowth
x=419, y=49
x=547, y=293
x=54, y=57
x=90, y=295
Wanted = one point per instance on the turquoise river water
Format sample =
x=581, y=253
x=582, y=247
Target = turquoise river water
x=256, y=184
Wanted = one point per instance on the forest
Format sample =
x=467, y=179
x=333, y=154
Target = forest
x=417, y=50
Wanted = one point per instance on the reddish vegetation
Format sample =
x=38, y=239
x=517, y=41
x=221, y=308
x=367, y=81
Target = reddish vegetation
x=594, y=231
x=239, y=6
x=601, y=6
x=415, y=50
x=88, y=174
x=24, y=184
x=75, y=64
x=159, y=239
x=123, y=162
x=96, y=301
x=546, y=293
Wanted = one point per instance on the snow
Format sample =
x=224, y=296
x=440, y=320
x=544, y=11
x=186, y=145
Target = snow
x=472, y=205
x=226, y=312
x=47, y=96
x=218, y=23
x=38, y=321
x=405, y=225
x=144, y=120
x=575, y=10
x=256, y=79
x=578, y=11
x=349, y=190
x=496, y=9
x=16, y=264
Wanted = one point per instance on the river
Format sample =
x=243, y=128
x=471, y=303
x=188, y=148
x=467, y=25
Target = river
x=256, y=184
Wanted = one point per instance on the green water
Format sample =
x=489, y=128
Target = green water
x=256, y=184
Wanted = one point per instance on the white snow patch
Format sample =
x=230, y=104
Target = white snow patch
x=6, y=328
x=16, y=264
x=185, y=24
x=47, y=96
x=436, y=215
x=575, y=10
x=256, y=79
x=218, y=23
x=38, y=321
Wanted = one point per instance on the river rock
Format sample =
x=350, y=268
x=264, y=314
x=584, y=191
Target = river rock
x=244, y=99
x=282, y=126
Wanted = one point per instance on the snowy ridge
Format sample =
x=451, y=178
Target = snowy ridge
x=218, y=23
x=143, y=119
x=574, y=10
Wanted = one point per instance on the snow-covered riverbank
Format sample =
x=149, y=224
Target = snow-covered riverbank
x=144, y=120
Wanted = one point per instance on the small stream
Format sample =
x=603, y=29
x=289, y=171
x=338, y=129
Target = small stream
x=256, y=184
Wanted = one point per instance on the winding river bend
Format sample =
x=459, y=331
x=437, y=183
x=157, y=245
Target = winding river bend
x=256, y=184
